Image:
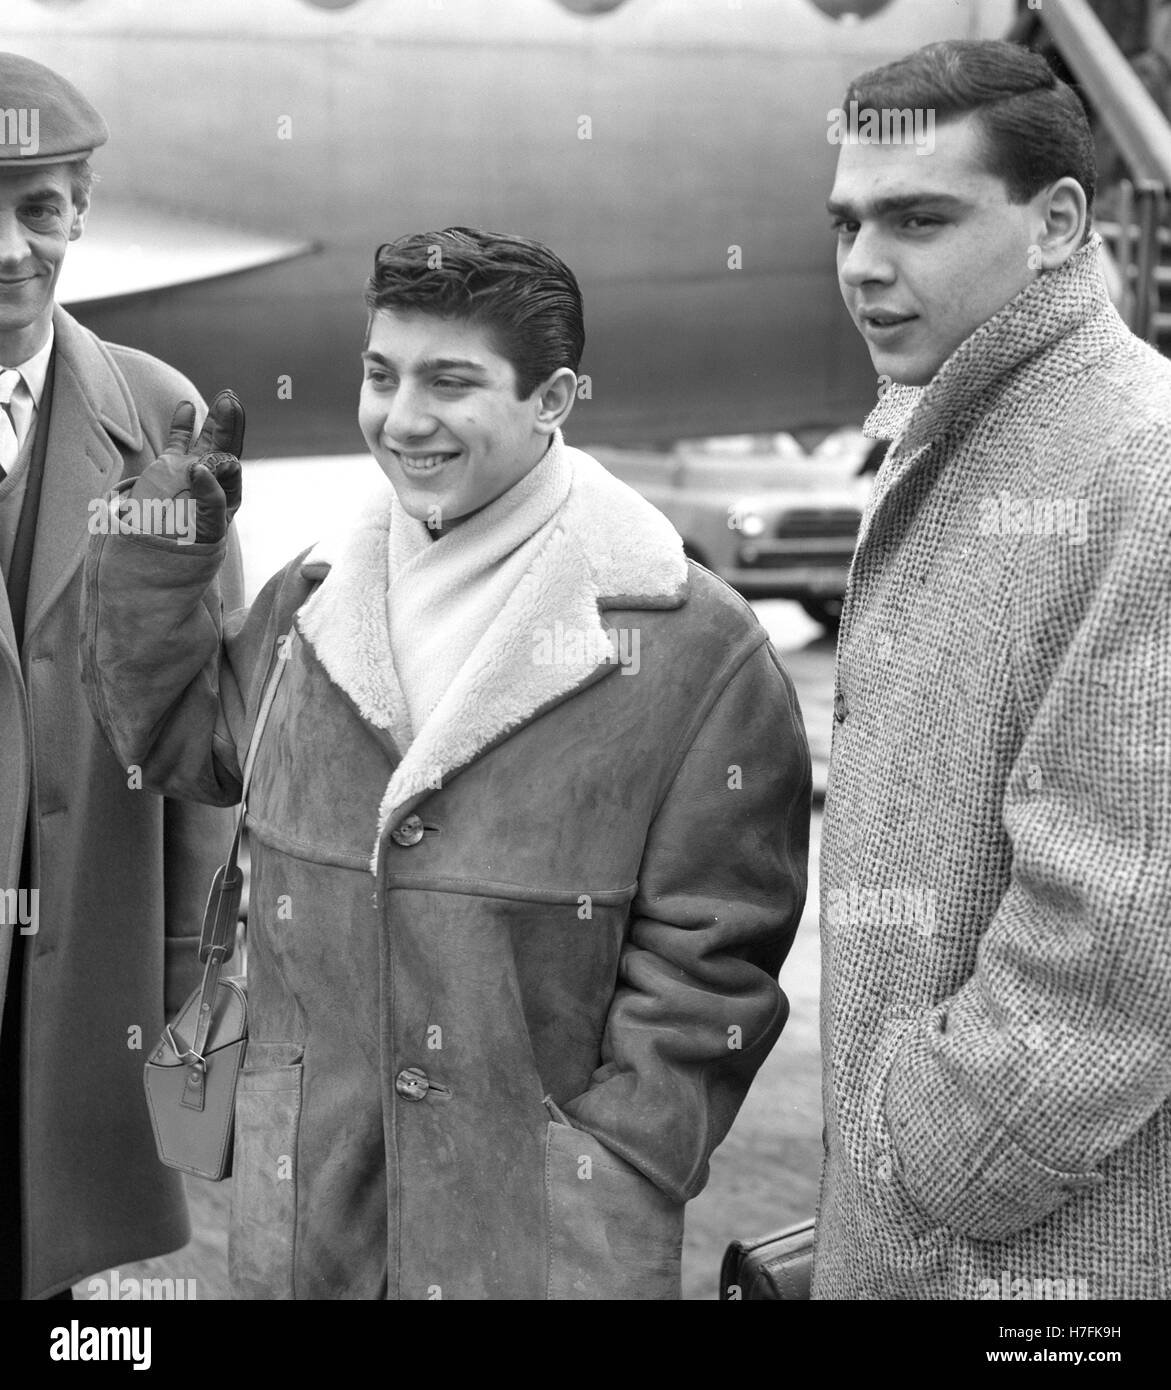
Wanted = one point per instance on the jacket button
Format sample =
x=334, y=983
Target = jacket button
x=839, y=708
x=409, y=833
x=412, y=1083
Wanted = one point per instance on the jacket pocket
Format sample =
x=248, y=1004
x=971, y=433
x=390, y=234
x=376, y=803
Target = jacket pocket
x=909, y=1250
x=264, y=1187
x=612, y=1233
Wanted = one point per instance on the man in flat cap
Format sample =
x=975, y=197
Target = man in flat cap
x=101, y=884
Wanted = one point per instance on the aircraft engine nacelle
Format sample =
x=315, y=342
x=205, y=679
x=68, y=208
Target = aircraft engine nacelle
x=592, y=6
x=855, y=9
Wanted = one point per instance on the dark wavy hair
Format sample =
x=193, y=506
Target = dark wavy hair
x=524, y=296
x=1034, y=126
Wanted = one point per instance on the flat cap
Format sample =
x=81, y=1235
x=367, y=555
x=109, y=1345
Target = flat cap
x=43, y=118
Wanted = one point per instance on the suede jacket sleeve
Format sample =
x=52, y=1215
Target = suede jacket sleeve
x=172, y=681
x=195, y=842
x=721, y=890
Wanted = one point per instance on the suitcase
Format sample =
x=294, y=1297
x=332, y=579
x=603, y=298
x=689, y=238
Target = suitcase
x=775, y=1266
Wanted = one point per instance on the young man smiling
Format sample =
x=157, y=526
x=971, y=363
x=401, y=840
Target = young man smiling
x=445, y=457
x=515, y=922
x=997, y=1070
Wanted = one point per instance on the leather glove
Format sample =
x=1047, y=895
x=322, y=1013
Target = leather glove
x=201, y=477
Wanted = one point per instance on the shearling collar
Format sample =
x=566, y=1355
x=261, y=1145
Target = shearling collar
x=609, y=549
x=1045, y=312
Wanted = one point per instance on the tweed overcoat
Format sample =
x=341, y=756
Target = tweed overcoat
x=122, y=875
x=996, y=858
x=507, y=989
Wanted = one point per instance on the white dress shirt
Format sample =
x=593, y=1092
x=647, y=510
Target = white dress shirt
x=26, y=402
x=26, y=399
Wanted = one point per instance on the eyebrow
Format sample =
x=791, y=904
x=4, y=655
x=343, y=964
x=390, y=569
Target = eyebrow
x=432, y=364
x=47, y=194
x=897, y=202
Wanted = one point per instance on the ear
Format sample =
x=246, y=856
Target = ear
x=1061, y=210
x=555, y=398
x=80, y=213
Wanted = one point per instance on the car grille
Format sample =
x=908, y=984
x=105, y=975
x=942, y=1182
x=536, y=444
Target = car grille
x=818, y=521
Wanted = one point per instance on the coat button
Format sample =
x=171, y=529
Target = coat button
x=409, y=833
x=412, y=1083
x=839, y=708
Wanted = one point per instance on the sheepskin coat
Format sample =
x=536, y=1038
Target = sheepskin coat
x=996, y=853
x=507, y=990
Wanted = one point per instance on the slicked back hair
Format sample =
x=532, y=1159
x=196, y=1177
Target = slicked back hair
x=517, y=290
x=1034, y=126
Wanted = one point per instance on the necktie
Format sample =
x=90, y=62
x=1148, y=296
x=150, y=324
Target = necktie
x=9, y=444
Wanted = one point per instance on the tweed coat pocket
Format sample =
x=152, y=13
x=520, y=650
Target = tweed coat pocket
x=264, y=1187
x=612, y=1233
x=924, y=1245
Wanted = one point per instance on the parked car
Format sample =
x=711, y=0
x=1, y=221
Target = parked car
x=767, y=517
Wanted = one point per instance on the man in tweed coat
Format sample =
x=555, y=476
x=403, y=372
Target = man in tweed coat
x=996, y=855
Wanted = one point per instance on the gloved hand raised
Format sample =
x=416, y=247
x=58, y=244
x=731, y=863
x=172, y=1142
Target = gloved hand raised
x=201, y=476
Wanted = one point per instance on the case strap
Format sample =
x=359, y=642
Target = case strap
x=217, y=940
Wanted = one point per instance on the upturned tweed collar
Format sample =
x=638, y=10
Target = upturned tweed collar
x=1045, y=312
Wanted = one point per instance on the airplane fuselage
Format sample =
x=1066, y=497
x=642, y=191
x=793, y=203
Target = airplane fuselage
x=674, y=153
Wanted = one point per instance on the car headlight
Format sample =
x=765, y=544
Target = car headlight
x=747, y=523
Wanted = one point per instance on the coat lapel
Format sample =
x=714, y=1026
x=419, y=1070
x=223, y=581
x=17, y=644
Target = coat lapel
x=90, y=415
x=609, y=549
x=8, y=647
x=12, y=756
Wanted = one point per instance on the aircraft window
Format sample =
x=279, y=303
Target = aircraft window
x=592, y=6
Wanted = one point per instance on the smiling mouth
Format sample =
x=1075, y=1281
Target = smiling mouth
x=422, y=464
